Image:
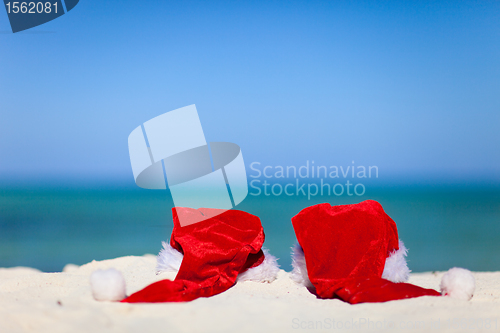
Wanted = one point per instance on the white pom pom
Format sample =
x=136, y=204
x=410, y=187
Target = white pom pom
x=107, y=285
x=458, y=283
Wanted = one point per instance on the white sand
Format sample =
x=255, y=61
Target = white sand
x=62, y=302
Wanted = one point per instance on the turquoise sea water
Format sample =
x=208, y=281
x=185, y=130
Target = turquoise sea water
x=47, y=228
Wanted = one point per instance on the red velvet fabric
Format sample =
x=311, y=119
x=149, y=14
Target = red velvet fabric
x=375, y=289
x=215, y=251
x=345, y=249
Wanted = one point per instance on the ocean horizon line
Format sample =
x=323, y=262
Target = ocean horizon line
x=105, y=183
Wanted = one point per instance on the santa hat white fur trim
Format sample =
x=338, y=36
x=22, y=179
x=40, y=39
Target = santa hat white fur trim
x=458, y=283
x=169, y=260
x=107, y=285
x=267, y=271
x=299, y=272
x=395, y=269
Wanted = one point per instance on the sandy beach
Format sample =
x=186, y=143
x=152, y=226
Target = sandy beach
x=62, y=302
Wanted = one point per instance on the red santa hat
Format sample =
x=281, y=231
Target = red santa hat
x=210, y=251
x=353, y=252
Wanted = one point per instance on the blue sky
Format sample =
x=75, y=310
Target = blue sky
x=412, y=87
